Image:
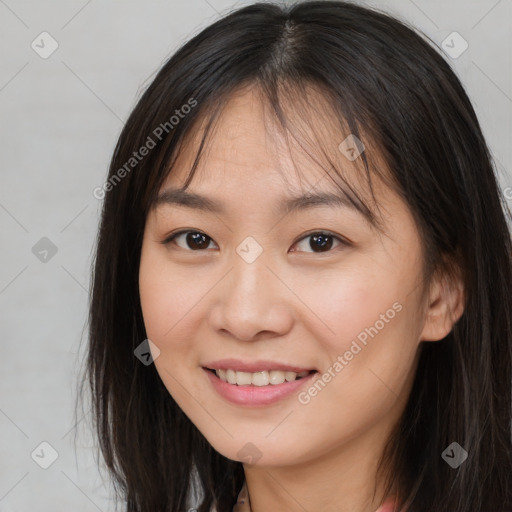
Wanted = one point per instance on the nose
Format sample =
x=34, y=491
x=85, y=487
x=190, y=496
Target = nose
x=252, y=302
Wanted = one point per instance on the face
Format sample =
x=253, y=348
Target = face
x=315, y=289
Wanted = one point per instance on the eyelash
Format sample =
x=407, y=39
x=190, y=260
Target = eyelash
x=342, y=242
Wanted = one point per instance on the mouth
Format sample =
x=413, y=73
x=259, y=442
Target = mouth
x=257, y=389
x=258, y=379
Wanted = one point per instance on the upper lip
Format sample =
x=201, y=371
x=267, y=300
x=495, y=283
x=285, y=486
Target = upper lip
x=254, y=366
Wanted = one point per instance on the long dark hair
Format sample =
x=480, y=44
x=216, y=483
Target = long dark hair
x=392, y=88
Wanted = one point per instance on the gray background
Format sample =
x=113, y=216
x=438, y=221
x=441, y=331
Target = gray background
x=61, y=117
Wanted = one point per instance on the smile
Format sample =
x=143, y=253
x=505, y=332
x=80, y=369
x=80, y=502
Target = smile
x=263, y=378
x=264, y=388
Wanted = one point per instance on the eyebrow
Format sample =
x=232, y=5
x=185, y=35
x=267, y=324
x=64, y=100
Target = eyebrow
x=174, y=196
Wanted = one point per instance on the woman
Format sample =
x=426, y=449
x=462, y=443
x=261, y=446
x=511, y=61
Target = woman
x=369, y=369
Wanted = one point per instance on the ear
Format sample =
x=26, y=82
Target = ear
x=445, y=305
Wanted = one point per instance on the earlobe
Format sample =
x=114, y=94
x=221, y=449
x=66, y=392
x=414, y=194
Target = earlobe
x=444, y=307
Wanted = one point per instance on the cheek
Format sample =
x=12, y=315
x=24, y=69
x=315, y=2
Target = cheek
x=347, y=303
x=154, y=299
x=167, y=307
x=369, y=318
x=166, y=296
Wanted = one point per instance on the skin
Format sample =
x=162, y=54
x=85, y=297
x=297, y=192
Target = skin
x=292, y=305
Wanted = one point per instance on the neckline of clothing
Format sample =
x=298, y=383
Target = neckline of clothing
x=243, y=503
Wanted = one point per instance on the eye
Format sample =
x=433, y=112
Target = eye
x=319, y=241
x=322, y=241
x=194, y=240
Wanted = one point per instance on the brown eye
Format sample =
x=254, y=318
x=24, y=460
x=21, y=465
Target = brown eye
x=321, y=241
x=194, y=240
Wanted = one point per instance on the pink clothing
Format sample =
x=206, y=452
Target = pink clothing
x=243, y=505
x=387, y=506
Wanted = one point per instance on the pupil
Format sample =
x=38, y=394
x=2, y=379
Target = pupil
x=325, y=242
x=194, y=240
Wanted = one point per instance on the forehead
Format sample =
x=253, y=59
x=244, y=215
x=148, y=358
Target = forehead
x=247, y=146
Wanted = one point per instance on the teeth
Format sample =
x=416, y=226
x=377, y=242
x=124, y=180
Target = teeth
x=243, y=378
x=264, y=378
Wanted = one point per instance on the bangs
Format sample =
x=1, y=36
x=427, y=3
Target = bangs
x=304, y=117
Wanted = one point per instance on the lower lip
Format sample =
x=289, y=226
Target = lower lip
x=256, y=395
